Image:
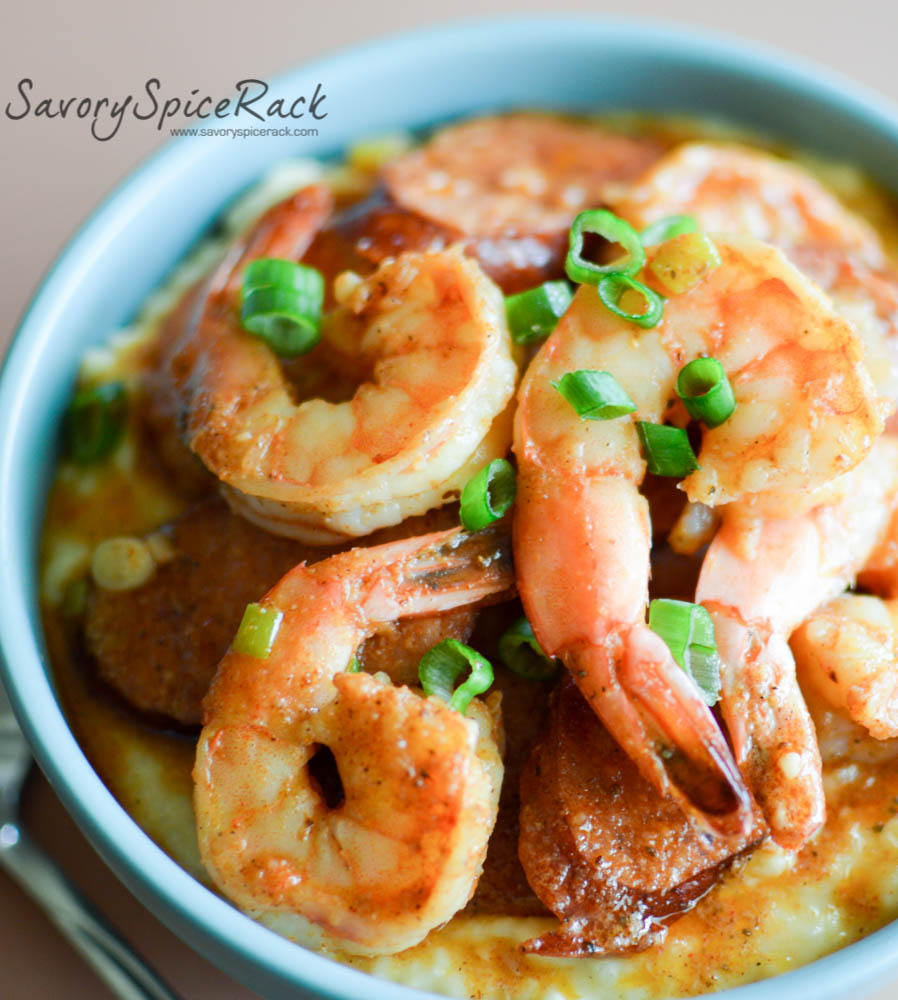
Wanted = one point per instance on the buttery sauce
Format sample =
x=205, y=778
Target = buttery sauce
x=774, y=913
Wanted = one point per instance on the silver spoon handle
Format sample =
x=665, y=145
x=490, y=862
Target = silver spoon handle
x=123, y=971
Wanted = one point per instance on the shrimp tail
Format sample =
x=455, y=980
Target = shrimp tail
x=772, y=731
x=657, y=715
x=440, y=571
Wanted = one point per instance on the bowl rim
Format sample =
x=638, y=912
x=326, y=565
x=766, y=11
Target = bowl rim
x=214, y=927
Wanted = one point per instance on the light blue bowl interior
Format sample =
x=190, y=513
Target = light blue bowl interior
x=134, y=239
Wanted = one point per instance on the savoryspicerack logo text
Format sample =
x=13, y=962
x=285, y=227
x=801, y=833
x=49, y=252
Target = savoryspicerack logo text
x=106, y=114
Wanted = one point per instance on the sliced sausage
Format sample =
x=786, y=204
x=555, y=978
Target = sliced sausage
x=508, y=187
x=524, y=174
x=614, y=861
x=159, y=645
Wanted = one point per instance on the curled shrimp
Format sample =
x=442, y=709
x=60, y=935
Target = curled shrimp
x=805, y=412
x=398, y=847
x=848, y=651
x=759, y=581
x=730, y=189
x=426, y=333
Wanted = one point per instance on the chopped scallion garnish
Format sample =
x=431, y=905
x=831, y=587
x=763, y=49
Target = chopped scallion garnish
x=488, y=495
x=667, y=229
x=355, y=666
x=275, y=272
x=441, y=667
x=534, y=314
x=706, y=391
x=688, y=631
x=521, y=653
x=612, y=289
x=281, y=304
x=95, y=422
x=667, y=450
x=607, y=225
x=595, y=395
x=257, y=631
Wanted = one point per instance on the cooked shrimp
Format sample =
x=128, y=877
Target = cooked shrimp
x=759, y=581
x=805, y=412
x=397, y=846
x=731, y=189
x=848, y=651
x=734, y=190
x=581, y=527
x=429, y=333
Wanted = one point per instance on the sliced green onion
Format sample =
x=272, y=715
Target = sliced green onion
x=683, y=261
x=607, y=225
x=281, y=304
x=534, y=314
x=74, y=598
x=595, y=395
x=441, y=667
x=688, y=631
x=275, y=272
x=706, y=391
x=521, y=653
x=280, y=318
x=355, y=666
x=95, y=422
x=488, y=495
x=613, y=287
x=666, y=450
x=257, y=631
x=703, y=665
x=667, y=229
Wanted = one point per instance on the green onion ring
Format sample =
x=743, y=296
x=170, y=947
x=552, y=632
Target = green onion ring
x=281, y=303
x=278, y=315
x=521, y=653
x=258, y=629
x=607, y=225
x=706, y=391
x=595, y=395
x=534, y=314
x=441, y=667
x=688, y=631
x=667, y=450
x=488, y=495
x=612, y=287
x=276, y=272
x=95, y=422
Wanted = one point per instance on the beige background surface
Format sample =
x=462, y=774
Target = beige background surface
x=54, y=173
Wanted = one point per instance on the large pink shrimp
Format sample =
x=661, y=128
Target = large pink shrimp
x=399, y=848
x=760, y=579
x=732, y=189
x=427, y=336
x=806, y=413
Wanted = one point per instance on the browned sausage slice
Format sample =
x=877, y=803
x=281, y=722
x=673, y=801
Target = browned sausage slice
x=614, y=861
x=524, y=174
x=159, y=645
x=366, y=233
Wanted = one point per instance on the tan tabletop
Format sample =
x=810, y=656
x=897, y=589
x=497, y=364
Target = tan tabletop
x=54, y=173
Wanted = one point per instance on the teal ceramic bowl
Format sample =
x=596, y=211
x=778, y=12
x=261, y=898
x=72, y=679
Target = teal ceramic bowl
x=132, y=241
